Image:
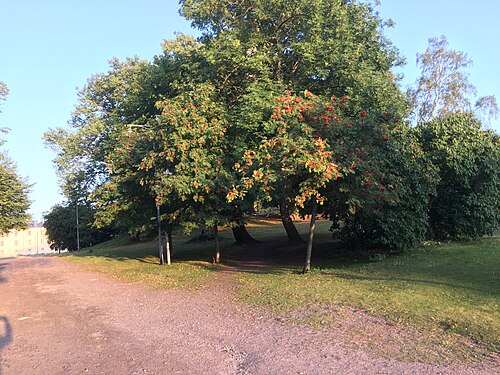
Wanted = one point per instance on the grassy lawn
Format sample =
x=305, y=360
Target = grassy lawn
x=453, y=287
x=138, y=262
x=449, y=287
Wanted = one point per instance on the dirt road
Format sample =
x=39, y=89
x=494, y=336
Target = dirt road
x=58, y=319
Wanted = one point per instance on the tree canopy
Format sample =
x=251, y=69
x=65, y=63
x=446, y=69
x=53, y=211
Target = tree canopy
x=280, y=103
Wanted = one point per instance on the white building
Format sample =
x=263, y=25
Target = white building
x=30, y=241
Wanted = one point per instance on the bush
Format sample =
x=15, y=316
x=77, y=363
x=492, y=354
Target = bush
x=397, y=217
x=467, y=204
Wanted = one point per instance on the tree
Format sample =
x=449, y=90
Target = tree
x=14, y=201
x=254, y=51
x=443, y=87
x=312, y=146
x=393, y=214
x=467, y=204
x=192, y=149
x=60, y=224
x=14, y=190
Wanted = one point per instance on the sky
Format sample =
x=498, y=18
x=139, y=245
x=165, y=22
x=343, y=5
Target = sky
x=49, y=48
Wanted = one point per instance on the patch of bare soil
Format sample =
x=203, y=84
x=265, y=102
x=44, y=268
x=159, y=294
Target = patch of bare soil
x=56, y=318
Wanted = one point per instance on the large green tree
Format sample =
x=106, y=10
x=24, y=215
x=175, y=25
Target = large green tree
x=253, y=51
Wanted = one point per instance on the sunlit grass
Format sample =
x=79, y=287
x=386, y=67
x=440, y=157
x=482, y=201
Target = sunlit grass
x=139, y=262
x=451, y=287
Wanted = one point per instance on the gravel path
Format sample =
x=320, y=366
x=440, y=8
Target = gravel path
x=56, y=318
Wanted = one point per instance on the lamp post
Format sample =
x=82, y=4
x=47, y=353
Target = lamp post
x=158, y=211
x=77, y=229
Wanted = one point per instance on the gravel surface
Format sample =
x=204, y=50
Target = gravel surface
x=56, y=318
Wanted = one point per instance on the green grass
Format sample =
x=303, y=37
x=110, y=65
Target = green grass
x=449, y=289
x=138, y=262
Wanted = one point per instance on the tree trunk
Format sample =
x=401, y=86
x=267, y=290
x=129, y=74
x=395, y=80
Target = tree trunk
x=241, y=235
x=312, y=226
x=217, y=247
x=291, y=230
x=168, y=245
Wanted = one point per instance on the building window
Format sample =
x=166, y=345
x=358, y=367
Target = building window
x=29, y=242
x=1, y=243
x=16, y=243
x=29, y=233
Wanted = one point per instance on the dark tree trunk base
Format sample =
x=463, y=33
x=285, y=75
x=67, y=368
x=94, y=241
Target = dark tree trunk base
x=291, y=230
x=241, y=235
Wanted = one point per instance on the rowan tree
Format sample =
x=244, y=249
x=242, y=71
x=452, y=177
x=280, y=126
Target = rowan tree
x=192, y=150
x=308, y=150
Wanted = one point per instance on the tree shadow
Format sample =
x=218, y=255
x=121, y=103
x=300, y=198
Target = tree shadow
x=5, y=336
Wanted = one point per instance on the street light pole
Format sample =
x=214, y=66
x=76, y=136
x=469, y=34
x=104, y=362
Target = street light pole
x=160, y=246
x=158, y=213
x=77, y=229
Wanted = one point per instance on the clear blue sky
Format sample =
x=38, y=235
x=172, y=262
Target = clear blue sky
x=49, y=48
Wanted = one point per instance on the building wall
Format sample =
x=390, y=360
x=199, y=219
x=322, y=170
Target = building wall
x=30, y=241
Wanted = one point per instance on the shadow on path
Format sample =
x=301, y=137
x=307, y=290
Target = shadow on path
x=3, y=267
x=5, y=336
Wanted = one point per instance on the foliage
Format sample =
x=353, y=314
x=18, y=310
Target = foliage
x=14, y=190
x=443, y=87
x=192, y=150
x=4, y=91
x=60, y=224
x=14, y=201
x=297, y=156
x=467, y=204
x=126, y=199
x=108, y=100
x=333, y=48
x=394, y=216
